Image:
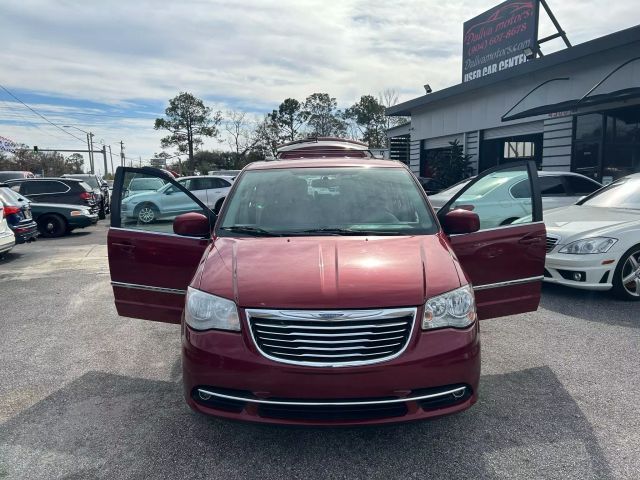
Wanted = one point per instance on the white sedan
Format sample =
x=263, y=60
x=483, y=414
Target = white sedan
x=595, y=244
x=168, y=201
x=558, y=189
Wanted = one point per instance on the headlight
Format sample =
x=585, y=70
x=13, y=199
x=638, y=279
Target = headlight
x=452, y=309
x=204, y=311
x=589, y=245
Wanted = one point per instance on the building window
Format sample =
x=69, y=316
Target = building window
x=519, y=150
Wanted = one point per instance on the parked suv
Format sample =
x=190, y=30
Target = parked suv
x=17, y=213
x=353, y=304
x=100, y=190
x=56, y=190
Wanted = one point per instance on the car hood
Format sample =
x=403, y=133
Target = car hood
x=581, y=221
x=133, y=197
x=328, y=272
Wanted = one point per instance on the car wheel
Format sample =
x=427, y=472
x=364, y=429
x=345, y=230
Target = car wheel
x=626, y=278
x=147, y=213
x=218, y=206
x=101, y=213
x=52, y=226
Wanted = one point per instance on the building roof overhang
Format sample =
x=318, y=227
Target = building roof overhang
x=592, y=47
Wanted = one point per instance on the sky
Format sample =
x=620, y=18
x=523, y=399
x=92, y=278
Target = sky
x=111, y=66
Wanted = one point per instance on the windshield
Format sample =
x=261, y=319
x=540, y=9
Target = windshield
x=331, y=201
x=624, y=193
x=91, y=180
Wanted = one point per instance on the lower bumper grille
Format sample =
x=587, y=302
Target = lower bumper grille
x=329, y=413
x=331, y=338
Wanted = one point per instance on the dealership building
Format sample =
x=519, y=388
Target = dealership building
x=576, y=110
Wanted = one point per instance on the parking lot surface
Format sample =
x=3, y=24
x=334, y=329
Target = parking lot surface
x=87, y=394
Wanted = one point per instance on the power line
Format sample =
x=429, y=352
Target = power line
x=19, y=116
x=40, y=115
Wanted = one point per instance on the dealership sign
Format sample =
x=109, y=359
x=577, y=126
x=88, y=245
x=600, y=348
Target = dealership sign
x=496, y=40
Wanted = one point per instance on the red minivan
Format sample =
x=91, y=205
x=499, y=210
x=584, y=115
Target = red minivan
x=328, y=291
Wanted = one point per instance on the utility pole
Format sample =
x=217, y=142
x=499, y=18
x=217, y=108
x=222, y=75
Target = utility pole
x=91, y=153
x=113, y=170
x=104, y=157
x=122, y=154
x=140, y=164
x=89, y=149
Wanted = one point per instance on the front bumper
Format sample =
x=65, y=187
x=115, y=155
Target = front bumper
x=560, y=269
x=82, y=221
x=225, y=375
x=7, y=241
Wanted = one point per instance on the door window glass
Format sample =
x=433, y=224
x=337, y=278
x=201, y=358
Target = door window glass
x=581, y=186
x=218, y=183
x=43, y=186
x=492, y=198
x=589, y=127
x=552, y=186
x=152, y=209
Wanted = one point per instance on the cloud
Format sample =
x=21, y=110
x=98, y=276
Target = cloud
x=131, y=57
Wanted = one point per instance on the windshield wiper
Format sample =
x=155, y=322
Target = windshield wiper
x=255, y=231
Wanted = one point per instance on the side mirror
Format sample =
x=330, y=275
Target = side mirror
x=460, y=221
x=191, y=224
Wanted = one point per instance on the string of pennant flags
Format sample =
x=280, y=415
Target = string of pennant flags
x=7, y=145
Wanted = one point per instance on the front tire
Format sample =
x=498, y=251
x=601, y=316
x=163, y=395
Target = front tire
x=626, y=278
x=52, y=226
x=147, y=213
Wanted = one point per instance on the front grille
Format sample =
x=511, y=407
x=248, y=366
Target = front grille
x=331, y=337
x=551, y=242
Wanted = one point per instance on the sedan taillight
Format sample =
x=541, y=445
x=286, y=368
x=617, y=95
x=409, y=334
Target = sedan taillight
x=86, y=196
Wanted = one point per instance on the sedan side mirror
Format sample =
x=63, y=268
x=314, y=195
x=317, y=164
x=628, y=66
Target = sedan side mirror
x=192, y=224
x=460, y=221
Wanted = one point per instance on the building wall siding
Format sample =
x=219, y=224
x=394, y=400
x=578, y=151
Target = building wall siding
x=556, y=144
x=414, y=156
x=472, y=147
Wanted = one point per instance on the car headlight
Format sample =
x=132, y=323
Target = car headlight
x=79, y=213
x=452, y=309
x=204, y=311
x=589, y=245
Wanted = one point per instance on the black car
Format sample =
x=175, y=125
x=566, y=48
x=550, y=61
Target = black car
x=17, y=212
x=431, y=185
x=56, y=220
x=56, y=190
x=100, y=189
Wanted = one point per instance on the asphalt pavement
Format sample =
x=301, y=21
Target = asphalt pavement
x=86, y=394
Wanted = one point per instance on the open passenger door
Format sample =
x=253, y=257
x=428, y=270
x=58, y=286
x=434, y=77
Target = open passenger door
x=152, y=264
x=504, y=258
